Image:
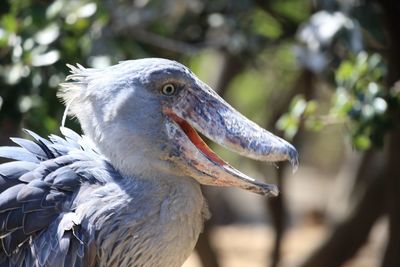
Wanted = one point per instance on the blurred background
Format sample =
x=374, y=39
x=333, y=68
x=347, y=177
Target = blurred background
x=323, y=74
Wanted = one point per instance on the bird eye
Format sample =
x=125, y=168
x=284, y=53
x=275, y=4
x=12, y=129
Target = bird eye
x=168, y=89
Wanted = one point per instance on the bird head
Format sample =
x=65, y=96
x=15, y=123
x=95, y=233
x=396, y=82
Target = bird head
x=144, y=116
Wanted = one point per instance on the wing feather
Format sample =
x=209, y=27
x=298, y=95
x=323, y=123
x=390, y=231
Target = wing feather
x=31, y=147
x=17, y=153
x=37, y=190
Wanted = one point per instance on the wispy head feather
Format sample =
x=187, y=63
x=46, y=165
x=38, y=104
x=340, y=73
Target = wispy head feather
x=75, y=83
x=72, y=90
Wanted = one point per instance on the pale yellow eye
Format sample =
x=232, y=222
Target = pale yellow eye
x=168, y=89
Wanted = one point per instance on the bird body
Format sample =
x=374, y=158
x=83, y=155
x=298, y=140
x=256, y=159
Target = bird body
x=83, y=205
x=127, y=193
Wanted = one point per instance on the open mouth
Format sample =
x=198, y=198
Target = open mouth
x=228, y=175
x=195, y=138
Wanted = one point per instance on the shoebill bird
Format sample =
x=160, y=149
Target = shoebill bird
x=127, y=192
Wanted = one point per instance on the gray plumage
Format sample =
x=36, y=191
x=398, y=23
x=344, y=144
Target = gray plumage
x=53, y=210
x=127, y=193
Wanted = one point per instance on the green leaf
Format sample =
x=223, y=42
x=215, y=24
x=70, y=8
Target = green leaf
x=311, y=108
x=298, y=106
x=362, y=142
x=9, y=23
x=345, y=72
x=264, y=24
x=314, y=124
x=289, y=125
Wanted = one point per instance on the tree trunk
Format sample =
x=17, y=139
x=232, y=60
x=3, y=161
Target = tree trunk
x=392, y=254
x=349, y=235
x=277, y=208
x=302, y=85
x=392, y=178
x=231, y=67
x=206, y=253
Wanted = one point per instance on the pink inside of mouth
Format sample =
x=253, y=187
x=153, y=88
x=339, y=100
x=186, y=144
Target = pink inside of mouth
x=196, y=139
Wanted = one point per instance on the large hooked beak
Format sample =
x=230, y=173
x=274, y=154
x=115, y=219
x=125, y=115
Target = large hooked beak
x=201, y=109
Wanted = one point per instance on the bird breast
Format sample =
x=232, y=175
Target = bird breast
x=146, y=225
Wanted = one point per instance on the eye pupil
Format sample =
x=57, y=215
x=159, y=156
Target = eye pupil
x=168, y=89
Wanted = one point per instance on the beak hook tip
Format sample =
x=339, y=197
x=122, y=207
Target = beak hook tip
x=270, y=190
x=293, y=158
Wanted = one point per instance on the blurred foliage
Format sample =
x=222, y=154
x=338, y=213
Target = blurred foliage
x=339, y=44
x=361, y=96
x=300, y=109
x=38, y=38
x=360, y=99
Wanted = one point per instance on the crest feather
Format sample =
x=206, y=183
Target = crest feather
x=72, y=90
x=75, y=83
